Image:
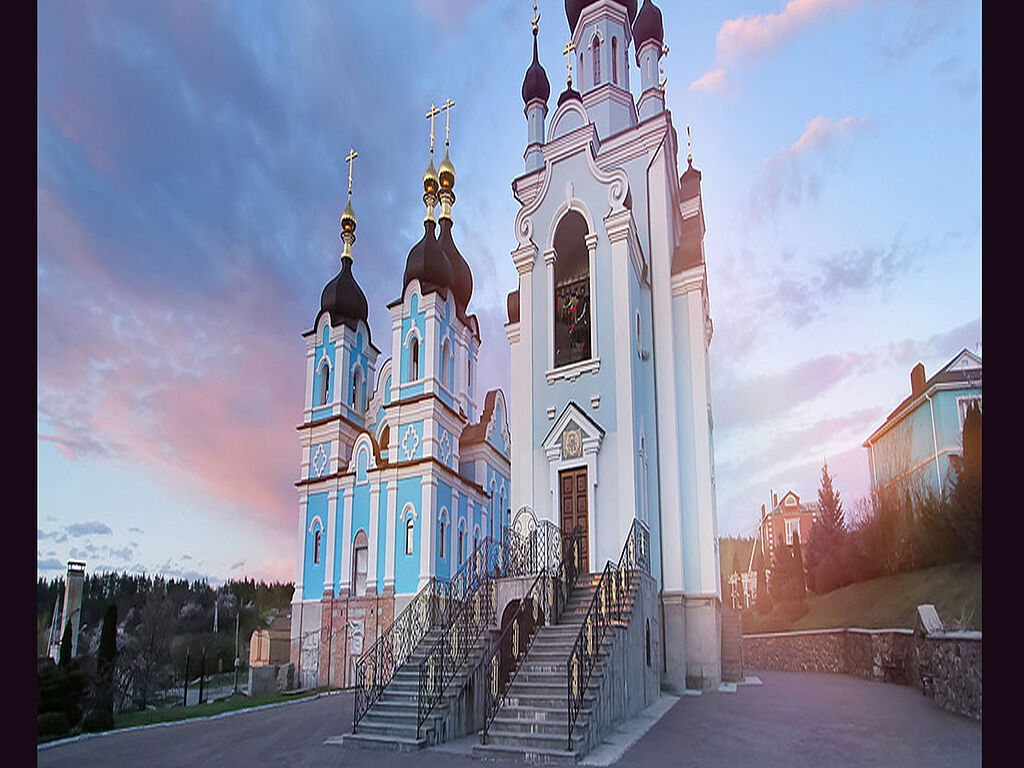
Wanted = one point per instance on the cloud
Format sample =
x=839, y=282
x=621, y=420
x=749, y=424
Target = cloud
x=713, y=81
x=50, y=564
x=88, y=529
x=796, y=172
x=235, y=566
x=121, y=554
x=747, y=37
x=133, y=529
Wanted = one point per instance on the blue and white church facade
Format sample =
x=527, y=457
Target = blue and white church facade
x=610, y=327
x=609, y=417
x=402, y=470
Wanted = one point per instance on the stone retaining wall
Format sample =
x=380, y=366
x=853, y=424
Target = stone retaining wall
x=945, y=665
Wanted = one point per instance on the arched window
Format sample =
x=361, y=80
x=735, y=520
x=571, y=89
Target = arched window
x=440, y=540
x=357, y=380
x=414, y=359
x=316, y=546
x=409, y=528
x=359, y=561
x=385, y=438
x=579, y=74
x=325, y=383
x=596, y=47
x=462, y=545
x=615, y=60
x=572, y=291
x=446, y=359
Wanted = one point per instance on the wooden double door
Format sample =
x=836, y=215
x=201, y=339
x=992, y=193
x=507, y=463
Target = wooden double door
x=573, y=509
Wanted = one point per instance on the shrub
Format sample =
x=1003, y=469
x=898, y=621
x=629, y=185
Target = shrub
x=52, y=725
x=97, y=720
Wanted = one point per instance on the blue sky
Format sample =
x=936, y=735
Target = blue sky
x=191, y=176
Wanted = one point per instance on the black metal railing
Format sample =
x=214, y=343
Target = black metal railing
x=469, y=609
x=542, y=604
x=377, y=665
x=606, y=607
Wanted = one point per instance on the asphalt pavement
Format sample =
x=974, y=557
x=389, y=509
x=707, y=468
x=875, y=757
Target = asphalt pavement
x=792, y=720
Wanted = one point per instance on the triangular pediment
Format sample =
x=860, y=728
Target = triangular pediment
x=573, y=433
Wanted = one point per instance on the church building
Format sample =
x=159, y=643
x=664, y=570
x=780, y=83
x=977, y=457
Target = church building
x=402, y=469
x=610, y=325
x=406, y=464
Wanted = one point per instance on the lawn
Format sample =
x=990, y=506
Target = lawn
x=890, y=601
x=172, y=714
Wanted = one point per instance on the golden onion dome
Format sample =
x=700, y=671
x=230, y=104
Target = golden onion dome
x=446, y=173
x=430, y=178
x=348, y=218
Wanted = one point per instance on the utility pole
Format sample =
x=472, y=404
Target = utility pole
x=237, y=612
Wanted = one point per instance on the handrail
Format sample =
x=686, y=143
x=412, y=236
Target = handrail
x=376, y=666
x=469, y=610
x=501, y=667
x=605, y=606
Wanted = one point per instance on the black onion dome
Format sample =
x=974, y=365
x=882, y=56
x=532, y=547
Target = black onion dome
x=569, y=93
x=535, y=84
x=573, y=9
x=462, y=275
x=344, y=300
x=428, y=264
x=648, y=25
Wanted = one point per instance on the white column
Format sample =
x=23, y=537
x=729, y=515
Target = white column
x=301, y=549
x=617, y=227
x=661, y=243
x=346, y=542
x=331, y=533
x=389, y=517
x=372, y=543
x=308, y=408
x=521, y=406
x=591, y=241
x=429, y=349
x=453, y=515
x=549, y=312
x=428, y=521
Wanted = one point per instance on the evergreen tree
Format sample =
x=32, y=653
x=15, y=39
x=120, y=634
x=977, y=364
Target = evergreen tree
x=829, y=503
x=106, y=659
x=799, y=582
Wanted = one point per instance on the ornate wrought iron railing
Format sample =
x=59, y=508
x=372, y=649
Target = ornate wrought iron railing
x=542, y=603
x=470, y=606
x=605, y=608
x=377, y=665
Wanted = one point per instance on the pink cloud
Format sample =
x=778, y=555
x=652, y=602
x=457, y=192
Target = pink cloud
x=750, y=36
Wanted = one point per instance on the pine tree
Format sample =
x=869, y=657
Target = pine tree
x=799, y=582
x=106, y=659
x=829, y=503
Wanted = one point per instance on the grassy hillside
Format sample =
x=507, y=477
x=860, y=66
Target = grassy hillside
x=890, y=601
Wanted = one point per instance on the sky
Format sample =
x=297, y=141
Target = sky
x=191, y=174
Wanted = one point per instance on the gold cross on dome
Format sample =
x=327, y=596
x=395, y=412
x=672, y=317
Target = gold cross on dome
x=350, y=159
x=536, y=18
x=447, y=107
x=569, y=48
x=430, y=114
x=689, y=153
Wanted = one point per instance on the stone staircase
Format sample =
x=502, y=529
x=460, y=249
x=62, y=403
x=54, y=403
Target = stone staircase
x=390, y=724
x=532, y=723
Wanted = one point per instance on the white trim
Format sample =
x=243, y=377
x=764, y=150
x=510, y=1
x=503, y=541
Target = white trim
x=407, y=509
x=316, y=521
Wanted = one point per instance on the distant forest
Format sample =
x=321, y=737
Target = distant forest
x=192, y=606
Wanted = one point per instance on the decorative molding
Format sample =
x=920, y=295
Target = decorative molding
x=573, y=371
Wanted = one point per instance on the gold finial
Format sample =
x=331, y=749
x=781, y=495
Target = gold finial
x=348, y=216
x=569, y=48
x=536, y=18
x=661, y=67
x=689, y=154
x=350, y=158
x=447, y=107
x=430, y=115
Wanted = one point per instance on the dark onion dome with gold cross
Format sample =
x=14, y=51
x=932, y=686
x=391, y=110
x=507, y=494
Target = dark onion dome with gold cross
x=573, y=9
x=342, y=297
x=462, y=275
x=535, y=84
x=648, y=26
x=569, y=93
x=428, y=264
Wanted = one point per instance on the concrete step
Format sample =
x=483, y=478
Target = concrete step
x=535, y=756
x=383, y=743
x=531, y=741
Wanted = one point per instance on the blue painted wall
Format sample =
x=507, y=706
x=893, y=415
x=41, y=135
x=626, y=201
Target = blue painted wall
x=313, y=573
x=407, y=567
x=324, y=348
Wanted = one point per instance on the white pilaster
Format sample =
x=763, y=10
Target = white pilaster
x=372, y=541
x=346, y=542
x=331, y=533
x=428, y=520
x=389, y=517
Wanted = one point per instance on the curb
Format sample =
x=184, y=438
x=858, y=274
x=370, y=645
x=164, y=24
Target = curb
x=113, y=731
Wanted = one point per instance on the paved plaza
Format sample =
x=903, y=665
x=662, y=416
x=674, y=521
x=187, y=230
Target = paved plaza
x=791, y=719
